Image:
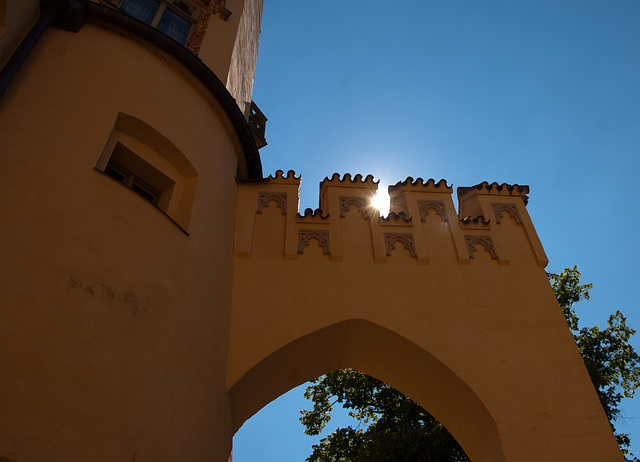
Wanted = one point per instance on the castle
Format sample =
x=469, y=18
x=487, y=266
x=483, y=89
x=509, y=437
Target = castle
x=158, y=289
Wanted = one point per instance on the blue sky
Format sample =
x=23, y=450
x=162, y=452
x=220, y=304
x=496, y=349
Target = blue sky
x=543, y=93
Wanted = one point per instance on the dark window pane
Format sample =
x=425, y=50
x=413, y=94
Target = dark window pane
x=116, y=173
x=174, y=25
x=144, y=10
x=146, y=191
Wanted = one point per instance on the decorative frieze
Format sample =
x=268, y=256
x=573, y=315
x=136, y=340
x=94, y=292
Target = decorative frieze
x=417, y=202
x=321, y=235
x=437, y=206
x=264, y=197
x=499, y=208
x=485, y=241
x=405, y=238
x=360, y=202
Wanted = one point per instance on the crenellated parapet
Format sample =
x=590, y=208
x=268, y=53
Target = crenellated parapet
x=348, y=180
x=357, y=190
x=423, y=220
x=484, y=209
x=399, y=192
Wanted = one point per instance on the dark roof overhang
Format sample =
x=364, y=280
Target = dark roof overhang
x=104, y=14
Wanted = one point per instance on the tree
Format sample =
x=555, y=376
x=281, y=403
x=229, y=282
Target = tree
x=612, y=363
x=394, y=428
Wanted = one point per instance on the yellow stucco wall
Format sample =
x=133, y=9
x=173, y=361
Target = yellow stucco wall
x=114, y=321
x=473, y=335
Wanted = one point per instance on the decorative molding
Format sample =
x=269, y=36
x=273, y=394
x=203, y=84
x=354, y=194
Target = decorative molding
x=280, y=197
x=348, y=178
x=280, y=175
x=305, y=235
x=406, y=238
x=420, y=182
x=485, y=241
x=437, y=206
x=480, y=220
x=200, y=27
x=313, y=213
x=504, y=188
x=348, y=201
x=498, y=208
x=430, y=184
x=400, y=217
x=495, y=189
x=219, y=9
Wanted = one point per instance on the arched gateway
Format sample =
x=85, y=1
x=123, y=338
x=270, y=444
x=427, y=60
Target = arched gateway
x=156, y=290
x=456, y=313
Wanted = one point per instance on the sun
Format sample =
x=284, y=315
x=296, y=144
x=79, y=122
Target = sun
x=381, y=201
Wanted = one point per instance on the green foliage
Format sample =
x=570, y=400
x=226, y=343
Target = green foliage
x=612, y=363
x=391, y=427
x=568, y=290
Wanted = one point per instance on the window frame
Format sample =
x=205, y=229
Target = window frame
x=134, y=182
x=164, y=4
x=135, y=147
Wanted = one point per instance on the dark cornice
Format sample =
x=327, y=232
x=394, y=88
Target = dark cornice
x=106, y=15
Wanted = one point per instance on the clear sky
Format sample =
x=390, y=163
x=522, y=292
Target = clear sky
x=535, y=92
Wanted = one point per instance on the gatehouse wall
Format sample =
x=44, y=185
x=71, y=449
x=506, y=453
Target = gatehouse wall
x=452, y=307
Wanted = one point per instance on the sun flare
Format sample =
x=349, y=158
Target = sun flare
x=381, y=201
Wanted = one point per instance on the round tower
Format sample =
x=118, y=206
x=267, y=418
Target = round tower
x=123, y=127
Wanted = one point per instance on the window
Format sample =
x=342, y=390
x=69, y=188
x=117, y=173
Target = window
x=143, y=160
x=175, y=19
x=136, y=181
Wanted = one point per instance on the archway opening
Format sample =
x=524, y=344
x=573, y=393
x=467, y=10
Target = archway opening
x=276, y=429
x=383, y=354
x=347, y=415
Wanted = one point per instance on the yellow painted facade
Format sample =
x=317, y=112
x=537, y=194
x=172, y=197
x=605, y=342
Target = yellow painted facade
x=157, y=290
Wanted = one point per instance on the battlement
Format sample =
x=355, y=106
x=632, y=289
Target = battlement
x=492, y=218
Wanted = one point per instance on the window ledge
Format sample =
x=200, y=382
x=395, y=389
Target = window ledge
x=142, y=198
